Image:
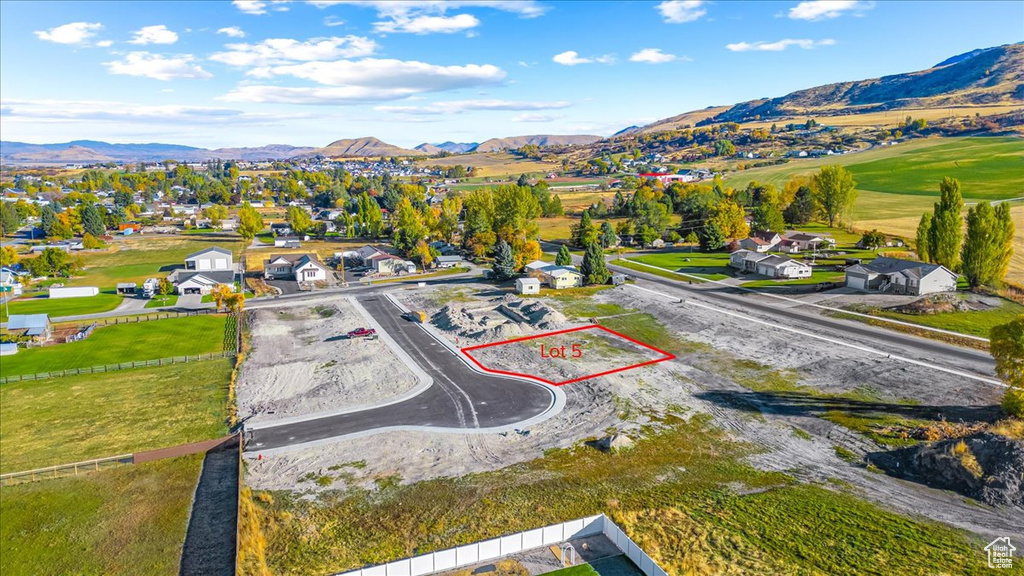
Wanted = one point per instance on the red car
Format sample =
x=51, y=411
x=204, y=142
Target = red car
x=361, y=333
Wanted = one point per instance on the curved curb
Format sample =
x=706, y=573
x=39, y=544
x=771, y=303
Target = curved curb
x=425, y=381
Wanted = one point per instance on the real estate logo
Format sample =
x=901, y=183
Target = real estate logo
x=1000, y=553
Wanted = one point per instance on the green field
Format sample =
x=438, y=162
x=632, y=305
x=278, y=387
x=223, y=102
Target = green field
x=712, y=266
x=989, y=168
x=974, y=323
x=161, y=301
x=124, y=343
x=129, y=520
x=75, y=418
x=668, y=492
x=105, y=301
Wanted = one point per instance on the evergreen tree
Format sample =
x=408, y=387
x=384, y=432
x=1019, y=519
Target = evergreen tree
x=504, y=262
x=564, y=257
x=583, y=233
x=1004, y=240
x=92, y=220
x=608, y=237
x=980, y=252
x=47, y=217
x=10, y=219
x=711, y=237
x=923, y=241
x=593, y=268
x=801, y=210
x=946, y=235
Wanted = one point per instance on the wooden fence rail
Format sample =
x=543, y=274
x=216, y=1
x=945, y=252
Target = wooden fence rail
x=118, y=366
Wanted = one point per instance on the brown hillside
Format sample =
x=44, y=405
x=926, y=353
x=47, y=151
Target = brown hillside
x=367, y=147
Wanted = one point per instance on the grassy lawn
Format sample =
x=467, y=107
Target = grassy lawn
x=76, y=418
x=974, y=322
x=105, y=301
x=668, y=492
x=579, y=570
x=713, y=266
x=817, y=277
x=166, y=300
x=129, y=520
x=641, y=268
x=124, y=343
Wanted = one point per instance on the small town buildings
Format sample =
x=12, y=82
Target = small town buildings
x=35, y=326
x=447, y=261
x=901, y=277
x=527, y=286
x=300, y=267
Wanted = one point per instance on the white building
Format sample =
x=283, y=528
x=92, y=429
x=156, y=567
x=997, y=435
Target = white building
x=527, y=286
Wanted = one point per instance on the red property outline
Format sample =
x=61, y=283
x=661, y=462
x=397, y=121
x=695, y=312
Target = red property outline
x=666, y=355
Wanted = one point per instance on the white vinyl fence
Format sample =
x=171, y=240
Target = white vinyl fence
x=496, y=548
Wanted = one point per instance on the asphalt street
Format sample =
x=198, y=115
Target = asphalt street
x=458, y=398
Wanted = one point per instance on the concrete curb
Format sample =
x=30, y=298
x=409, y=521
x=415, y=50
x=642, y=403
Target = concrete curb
x=425, y=381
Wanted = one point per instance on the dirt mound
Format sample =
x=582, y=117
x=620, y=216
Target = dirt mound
x=499, y=318
x=934, y=304
x=984, y=466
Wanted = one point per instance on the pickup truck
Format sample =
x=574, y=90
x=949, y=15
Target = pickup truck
x=362, y=333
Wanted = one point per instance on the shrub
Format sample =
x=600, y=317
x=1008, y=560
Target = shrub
x=1013, y=402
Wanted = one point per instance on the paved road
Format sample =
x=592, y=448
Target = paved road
x=458, y=398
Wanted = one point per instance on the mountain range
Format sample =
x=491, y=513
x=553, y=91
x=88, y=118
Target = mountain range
x=989, y=76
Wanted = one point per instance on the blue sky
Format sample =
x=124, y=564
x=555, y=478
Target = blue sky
x=249, y=73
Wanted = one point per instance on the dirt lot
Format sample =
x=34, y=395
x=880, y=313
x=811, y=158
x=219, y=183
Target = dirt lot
x=302, y=363
x=719, y=360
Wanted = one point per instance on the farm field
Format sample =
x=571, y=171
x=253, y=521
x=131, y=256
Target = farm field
x=105, y=301
x=665, y=491
x=111, y=413
x=124, y=343
x=128, y=520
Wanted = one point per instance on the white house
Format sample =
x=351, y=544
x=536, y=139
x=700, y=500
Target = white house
x=557, y=277
x=447, y=261
x=186, y=282
x=761, y=241
x=527, y=286
x=901, y=277
x=387, y=264
x=301, y=267
x=746, y=260
x=783, y=267
x=808, y=241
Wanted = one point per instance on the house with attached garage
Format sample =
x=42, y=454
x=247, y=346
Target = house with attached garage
x=554, y=276
x=772, y=266
x=214, y=258
x=761, y=241
x=901, y=277
x=205, y=270
x=300, y=267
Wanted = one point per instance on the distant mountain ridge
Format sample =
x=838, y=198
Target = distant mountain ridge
x=365, y=147
x=513, y=142
x=984, y=76
x=92, y=151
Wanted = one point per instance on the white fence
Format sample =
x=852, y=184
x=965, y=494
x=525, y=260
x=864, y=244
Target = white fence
x=496, y=548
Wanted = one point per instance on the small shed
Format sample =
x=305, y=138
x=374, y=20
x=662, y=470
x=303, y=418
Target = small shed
x=527, y=286
x=617, y=279
x=8, y=348
x=34, y=325
x=126, y=287
x=73, y=292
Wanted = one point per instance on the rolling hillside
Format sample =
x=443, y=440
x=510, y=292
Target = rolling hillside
x=453, y=147
x=91, y=151
x=513, y=142
x=366, y=147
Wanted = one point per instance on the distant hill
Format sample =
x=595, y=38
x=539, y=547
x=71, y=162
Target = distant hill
x=627, y=131
x=360, y=148
x=91, y=151
x=453, y=147
x=987, y=76
x=513, y=142
x=680, y=120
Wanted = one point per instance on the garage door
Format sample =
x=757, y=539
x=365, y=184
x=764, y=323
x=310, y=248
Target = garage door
x=204, y=264
x=855, y=283
x=222, y=263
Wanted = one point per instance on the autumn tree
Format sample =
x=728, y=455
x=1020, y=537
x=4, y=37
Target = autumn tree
x=250, y=222
x=299, y=220
x=1004, y=223
x=8, y=256
x=923, y=240
x=1006, y=344
x=407, y=227
x=768, y=214
x=448, y=218
x=835, y=192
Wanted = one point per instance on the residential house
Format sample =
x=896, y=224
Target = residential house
x=761, y=241
x=300, y=267
x=554, y=276
x=808, y=241
x=229, y=224
x=901, y=277
x=287, y=242
x=281, y=229
x=10, y=286
x=384, y=263
x=447, y=261
x=187, y=282
x=746, y=260
x=782, y=267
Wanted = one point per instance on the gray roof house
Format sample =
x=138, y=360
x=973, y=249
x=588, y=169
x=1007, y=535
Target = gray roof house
x=34, y=325
x=214, y=258
x=901, y=277
x=301, y=267
x=188, y=282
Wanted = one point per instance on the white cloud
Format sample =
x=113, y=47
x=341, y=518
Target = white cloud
x=257, y=7
x=681, y=11
x=370, y=79
x=105, y=43
x=459, y=106
x=232, y=31
x=332, y=21
x=826, y=9
x=652, y=56
x=528, y=117
x=73, y=33
x=157, y=66
x=779, y=45
x=573, y=58
x=273, y=51
x=154, y=35
x=427, y=24
x=390, y=8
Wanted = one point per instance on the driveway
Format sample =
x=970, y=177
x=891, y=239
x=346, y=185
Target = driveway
x=285, y=286
x=189, y=301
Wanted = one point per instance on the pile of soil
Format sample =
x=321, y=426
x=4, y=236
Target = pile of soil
x=488, y=323
x=990, y=469
x=934, y=304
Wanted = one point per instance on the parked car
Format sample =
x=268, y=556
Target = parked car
x=362, y=333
